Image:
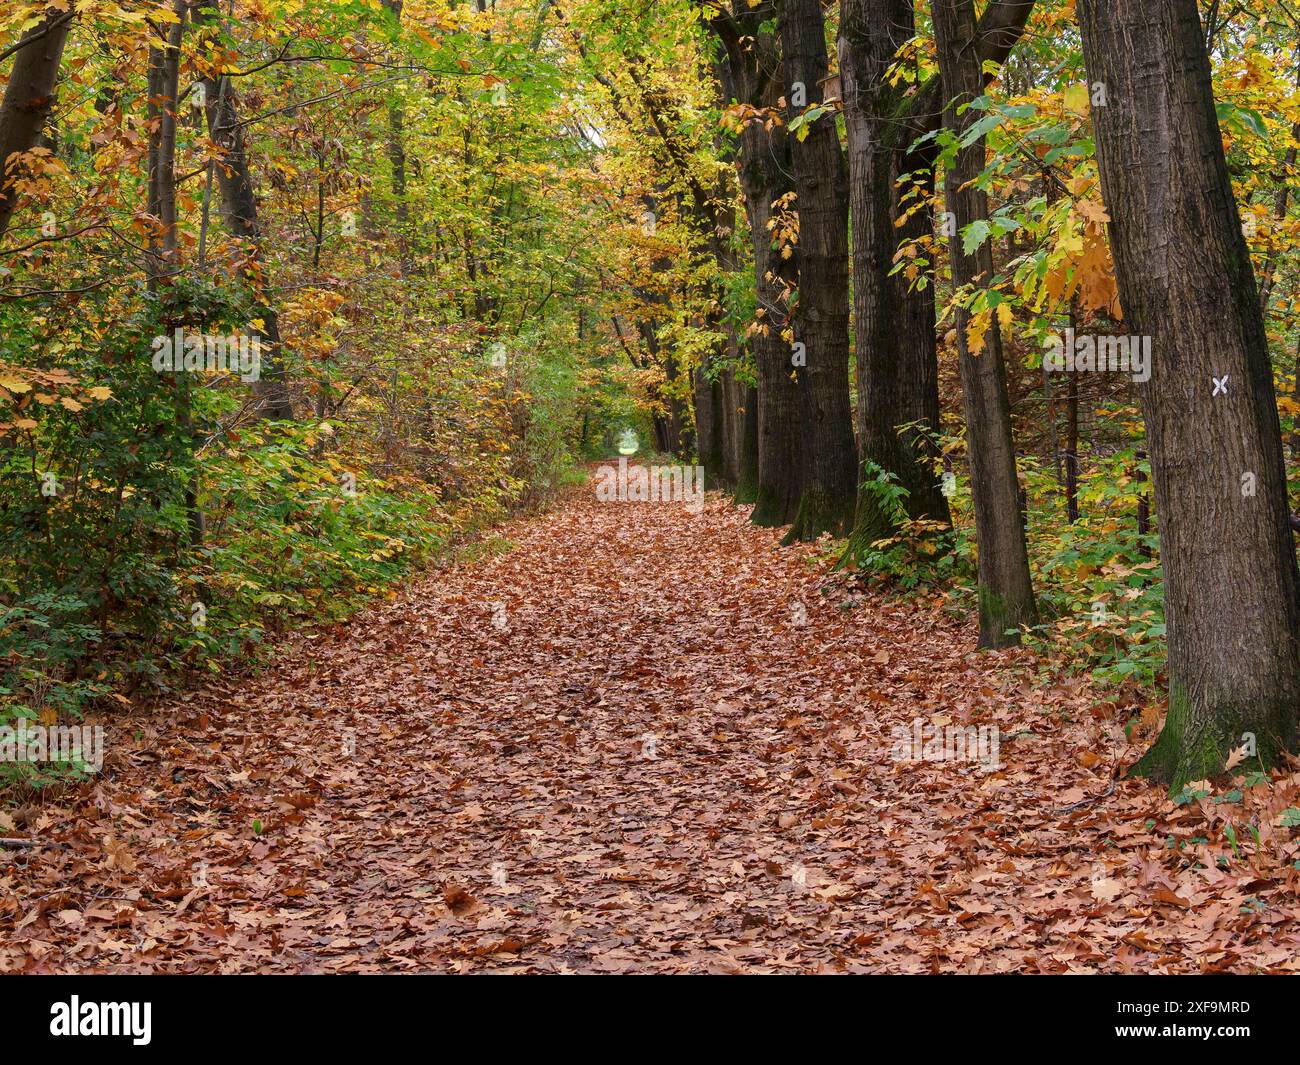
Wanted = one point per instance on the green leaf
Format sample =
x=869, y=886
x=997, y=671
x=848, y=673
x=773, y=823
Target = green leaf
x=801, y=125
x=975, y=235
x=1242, y=119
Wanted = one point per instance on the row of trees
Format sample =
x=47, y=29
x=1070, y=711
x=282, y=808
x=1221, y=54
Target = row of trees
x=1184, y=276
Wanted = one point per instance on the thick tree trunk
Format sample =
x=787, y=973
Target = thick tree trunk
x=29, y=99
x=1232, y=594
x=1006, y=597
x=724, y=224
x=709, y=427
x=722, y=478
x=729, y=415
x=897, y=365
x=755, y=69
x=712, y=422
x=733, y=423
x=747, y=475
x=724, y=448
x=821, y=315
x=680, y=445
x=894, y=320
x=780, y=414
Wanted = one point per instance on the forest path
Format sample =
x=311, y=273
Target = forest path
x=640, y=740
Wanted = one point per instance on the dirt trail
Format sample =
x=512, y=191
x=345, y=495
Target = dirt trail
x=640, y=740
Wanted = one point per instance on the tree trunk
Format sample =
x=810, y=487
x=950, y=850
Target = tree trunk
x=239, y=212
x=894, y=321
x=730, y=416
x=722, y=386
x=397, y=162
x=29, y=99
x=164, y=245
x=747, y=476
x=1232, y=593
x=1072, y=449
x=755, y=68
x=780, y=415
x=1006, y=597
x=732, y=399
x=164, y=79
x=709, y=427
x=722, y=479
x=821, y=314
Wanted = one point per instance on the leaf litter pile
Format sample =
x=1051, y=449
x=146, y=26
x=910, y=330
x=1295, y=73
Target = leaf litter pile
x=641, y=740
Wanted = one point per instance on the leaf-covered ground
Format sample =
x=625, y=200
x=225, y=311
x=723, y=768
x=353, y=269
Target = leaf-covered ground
x=641, y=740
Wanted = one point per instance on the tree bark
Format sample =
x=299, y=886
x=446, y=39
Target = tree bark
x=163, y=258
x=1006, y=598
x=29, y=100
x=747, y=473
x=1072, y=450
x=239, y=212
x=708, y=426
x=821, y=313
x=164, y=81
x=755, y=68
x=780, y=442
x=1232, y=593
x=731, y=424
x=722, y=388
x=396, y=148
x=894, y=320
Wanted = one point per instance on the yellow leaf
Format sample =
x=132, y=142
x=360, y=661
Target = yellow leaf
x=976, y=333
x=1076, y=98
